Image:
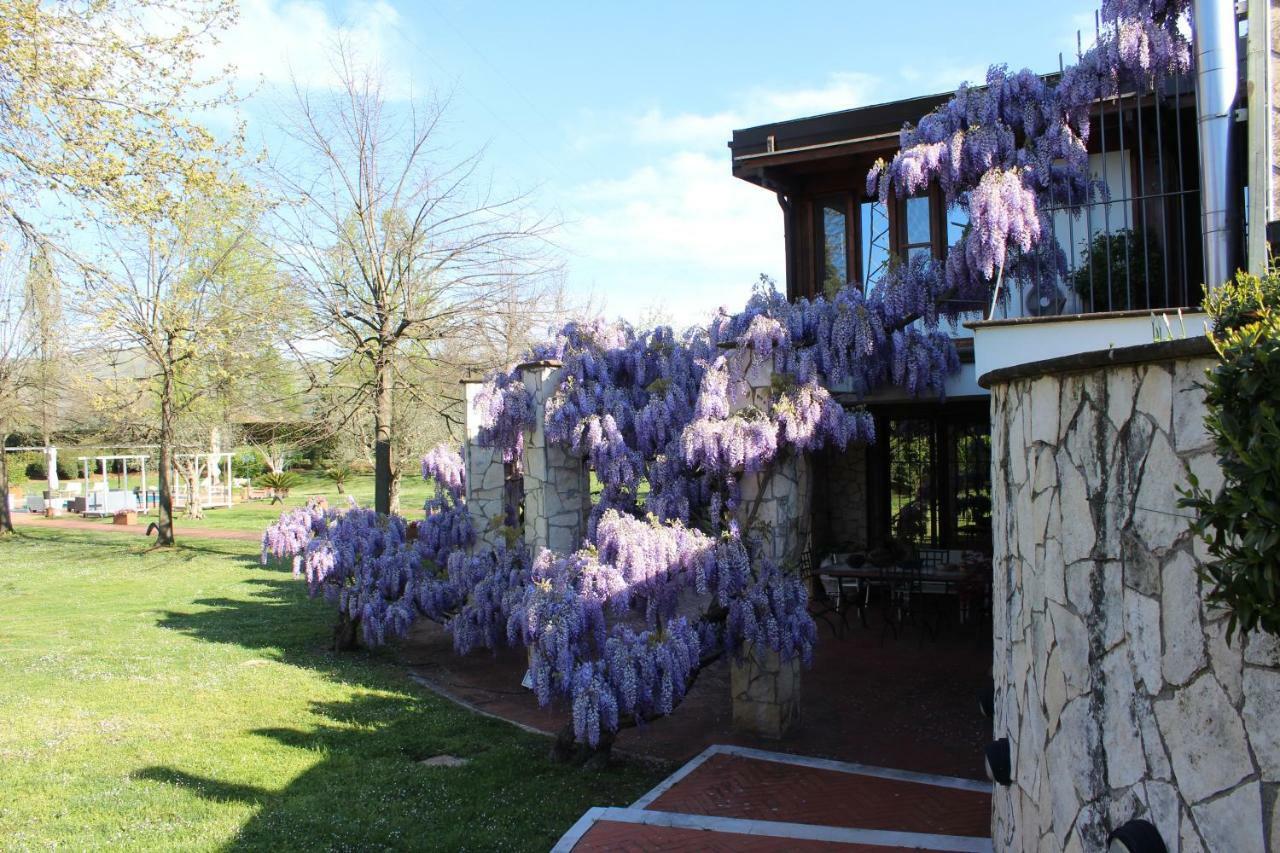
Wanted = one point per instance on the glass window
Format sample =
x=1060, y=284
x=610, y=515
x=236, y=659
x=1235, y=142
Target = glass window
x=833, y=233
x=957, y=221
x=916, y=215
x=969, y=487
x=938, y=487
x=875, y=242
x=915, y=228
x=913, y=511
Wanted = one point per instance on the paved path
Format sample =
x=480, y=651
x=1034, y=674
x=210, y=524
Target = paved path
x=30, y=519
x=737, y=798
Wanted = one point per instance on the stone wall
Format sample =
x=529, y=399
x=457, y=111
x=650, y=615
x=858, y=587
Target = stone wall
x=1114, y=682
x=486, y=475
x=840, y=498
x=776, y=502
x=557, y=486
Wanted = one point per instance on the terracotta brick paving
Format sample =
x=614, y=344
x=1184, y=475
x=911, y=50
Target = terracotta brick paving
x=734, y=799
x=739, y=787
x=638, y=838
x=909, y=703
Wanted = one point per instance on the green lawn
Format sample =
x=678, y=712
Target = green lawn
x=162, y=700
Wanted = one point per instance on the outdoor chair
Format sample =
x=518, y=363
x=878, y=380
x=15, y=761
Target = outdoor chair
x=821, y=603
x=903, y=582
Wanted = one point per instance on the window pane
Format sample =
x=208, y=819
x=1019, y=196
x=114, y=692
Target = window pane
x=875, y=241
x=917, y=216
x=971, y=484
x=918, y=250
x=912, y=504
x=957, y=221
x=835, y=244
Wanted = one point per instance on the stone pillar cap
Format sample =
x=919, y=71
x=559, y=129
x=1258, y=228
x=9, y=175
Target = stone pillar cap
x=545, y=362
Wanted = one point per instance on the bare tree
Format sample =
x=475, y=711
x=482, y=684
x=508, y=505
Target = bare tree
x=17, y=343
x=189, y=299
x=398, y=249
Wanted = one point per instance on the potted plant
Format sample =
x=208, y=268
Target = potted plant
x=1120, y=271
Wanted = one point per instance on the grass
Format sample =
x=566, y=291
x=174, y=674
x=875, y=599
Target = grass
x=185, y=700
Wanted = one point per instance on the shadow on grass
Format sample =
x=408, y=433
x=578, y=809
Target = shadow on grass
x=120, y=545
x=368, y=788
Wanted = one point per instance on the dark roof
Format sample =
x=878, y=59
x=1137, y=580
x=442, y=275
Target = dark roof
x=834, y=128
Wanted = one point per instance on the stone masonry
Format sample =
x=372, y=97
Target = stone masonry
x=486, y=476
x=1114, y=682
x=840, y=498
x=557, y=486
x=776, y=504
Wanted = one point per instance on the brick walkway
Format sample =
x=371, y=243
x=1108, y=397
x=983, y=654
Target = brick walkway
x=736, y=798
x=33, y=520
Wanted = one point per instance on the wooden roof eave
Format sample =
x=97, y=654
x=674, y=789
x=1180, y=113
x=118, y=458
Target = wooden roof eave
x=750, y=167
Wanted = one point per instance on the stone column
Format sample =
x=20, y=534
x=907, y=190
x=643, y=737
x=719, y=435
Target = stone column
x=776, y=505
x=766, y=693
x=557, y=487
x=777, y=501
x=486, y=475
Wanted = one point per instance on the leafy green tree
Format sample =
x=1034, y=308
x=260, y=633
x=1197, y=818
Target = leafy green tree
x=1241, y=523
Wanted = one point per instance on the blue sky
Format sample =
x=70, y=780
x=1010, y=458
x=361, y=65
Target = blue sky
x=615, y=117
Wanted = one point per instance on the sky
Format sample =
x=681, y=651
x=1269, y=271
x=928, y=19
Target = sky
x=615, y=118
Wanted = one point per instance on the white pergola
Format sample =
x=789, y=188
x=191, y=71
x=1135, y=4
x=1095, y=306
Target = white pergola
x=87, y=463
x=217, y=462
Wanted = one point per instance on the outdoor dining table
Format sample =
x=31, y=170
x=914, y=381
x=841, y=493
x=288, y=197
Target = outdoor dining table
x=940, y=579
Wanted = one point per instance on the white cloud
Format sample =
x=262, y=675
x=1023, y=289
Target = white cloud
x=757, y=106
x=274, y=42
x=681, y=234
x=841, y=91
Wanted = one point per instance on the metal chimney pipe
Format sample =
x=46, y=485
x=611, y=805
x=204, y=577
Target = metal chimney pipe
x=1215, y=43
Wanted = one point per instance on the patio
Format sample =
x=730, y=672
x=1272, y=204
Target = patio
x=735, y=798
x=909, y=703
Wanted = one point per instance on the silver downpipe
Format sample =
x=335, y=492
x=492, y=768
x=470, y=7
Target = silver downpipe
x=1215, y=44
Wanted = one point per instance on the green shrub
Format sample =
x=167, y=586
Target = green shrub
x=38, y=470
x=1241, y=524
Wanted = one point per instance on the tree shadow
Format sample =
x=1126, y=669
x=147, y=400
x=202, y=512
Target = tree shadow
x=369, y=789
x=372, y=791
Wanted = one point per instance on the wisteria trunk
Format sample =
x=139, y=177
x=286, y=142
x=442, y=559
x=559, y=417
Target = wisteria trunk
x=567, y=749
x=382, y=411
x=346, y=634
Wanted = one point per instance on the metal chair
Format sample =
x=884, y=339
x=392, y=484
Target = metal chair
x=821, y=605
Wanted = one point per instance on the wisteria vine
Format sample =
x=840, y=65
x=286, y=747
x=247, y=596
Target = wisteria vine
x=670, y=576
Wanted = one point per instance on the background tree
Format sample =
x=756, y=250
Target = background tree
x=191, y=297
x=96, y=107
x=396, y=250
x=49, y=351
x=16, y=346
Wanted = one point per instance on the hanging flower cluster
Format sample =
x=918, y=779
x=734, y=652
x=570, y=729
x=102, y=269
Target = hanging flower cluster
x=288, y=536
x=1001, y=152
x=444, y=465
